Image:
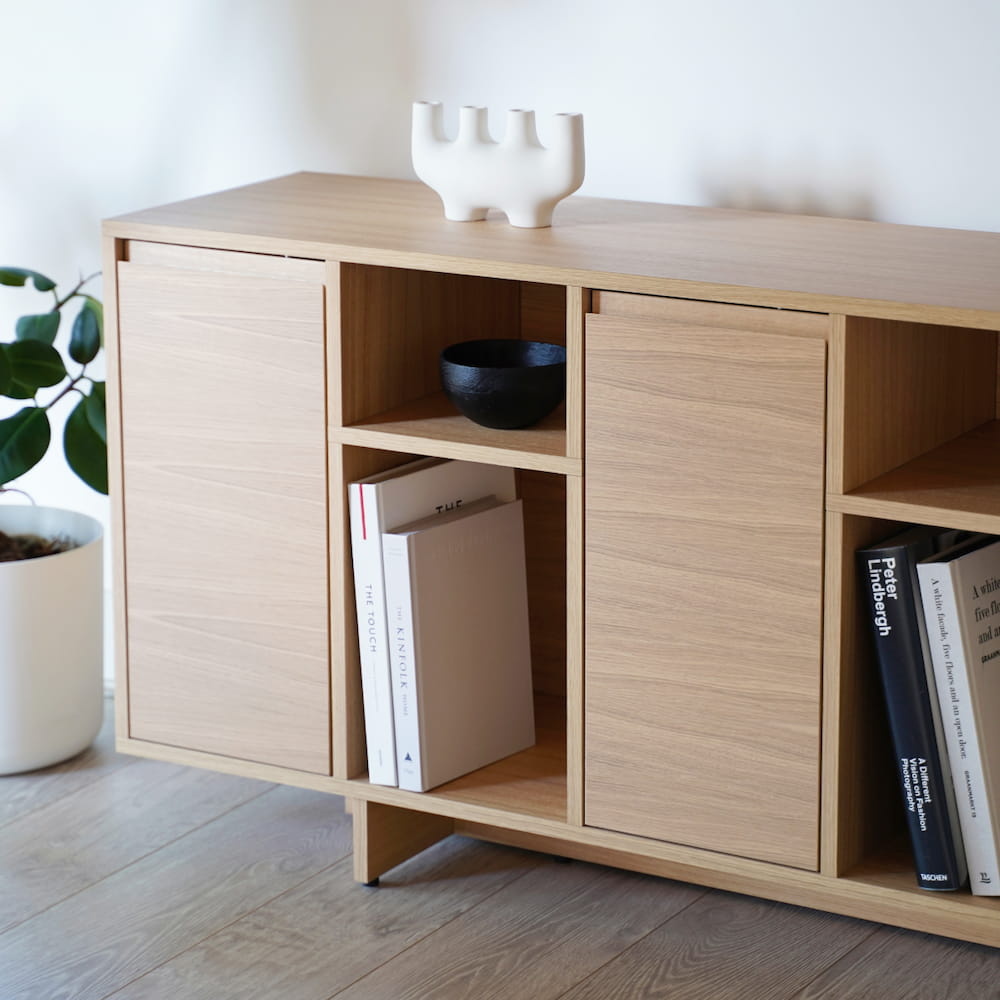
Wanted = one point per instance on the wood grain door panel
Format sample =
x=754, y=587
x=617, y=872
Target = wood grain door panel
x=223, y=414
x=704, y=528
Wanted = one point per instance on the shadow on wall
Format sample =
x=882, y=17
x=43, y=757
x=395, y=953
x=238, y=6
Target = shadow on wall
x=768, y=176
x=794, y=198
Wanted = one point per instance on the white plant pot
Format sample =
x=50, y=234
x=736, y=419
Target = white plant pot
x=51, y=641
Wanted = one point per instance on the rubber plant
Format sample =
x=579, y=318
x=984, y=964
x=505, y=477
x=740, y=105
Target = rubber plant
x=37, y=377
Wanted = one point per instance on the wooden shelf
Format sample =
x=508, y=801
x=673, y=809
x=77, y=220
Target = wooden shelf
x=432, y=426
x=956, y=485
x=531, y=783
x=888, y=878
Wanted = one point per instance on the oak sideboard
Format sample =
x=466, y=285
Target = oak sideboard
x=750, y=398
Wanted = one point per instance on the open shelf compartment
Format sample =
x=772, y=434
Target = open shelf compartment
x=920, y=433
x=394, y=323
x=957, y=484
x=920, y=445
x=865, y=812
x=872, y=844
x=534, y=781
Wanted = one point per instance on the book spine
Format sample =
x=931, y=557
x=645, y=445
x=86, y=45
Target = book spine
x=369, y=595
x=951, y=672
x=403, y=665
x=890, y=585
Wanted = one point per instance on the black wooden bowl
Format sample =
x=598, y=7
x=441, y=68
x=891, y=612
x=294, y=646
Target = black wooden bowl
x=504, y=383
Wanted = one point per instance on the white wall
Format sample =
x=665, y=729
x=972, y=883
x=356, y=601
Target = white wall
x=882, y=109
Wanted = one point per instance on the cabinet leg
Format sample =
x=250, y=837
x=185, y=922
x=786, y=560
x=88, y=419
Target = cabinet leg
x=385, y=836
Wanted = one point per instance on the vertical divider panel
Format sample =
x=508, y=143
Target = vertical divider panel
x=334, y=345
x=578, y=302
x=342, y=697
x=574, y=651
x=834, y=853
x=342, y=694
x=113, y=251
x=831, y=858
x=345, y=693
x=345, y=680
x=577, y=307
x=835, y=402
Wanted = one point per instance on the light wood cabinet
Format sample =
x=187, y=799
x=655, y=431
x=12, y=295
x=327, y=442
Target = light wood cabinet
x=704, y=581
x=223, y=458
x=750, y=398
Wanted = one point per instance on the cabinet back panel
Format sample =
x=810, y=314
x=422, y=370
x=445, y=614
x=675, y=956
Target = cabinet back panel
x=225, y=501
x=704, y=536
x=544, y=496
x=543, y=312
x=395, y=322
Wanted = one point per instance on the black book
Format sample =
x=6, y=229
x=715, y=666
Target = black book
x=889, y=581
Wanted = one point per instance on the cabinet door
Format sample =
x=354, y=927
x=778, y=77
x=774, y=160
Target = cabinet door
x=704, y=530
x=224, y=470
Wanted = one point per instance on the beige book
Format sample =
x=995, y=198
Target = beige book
x=457, y=608
x=424, y=488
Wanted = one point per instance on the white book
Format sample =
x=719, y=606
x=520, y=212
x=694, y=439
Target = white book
x=426, y=486
x=460, y=649
x=960, y=593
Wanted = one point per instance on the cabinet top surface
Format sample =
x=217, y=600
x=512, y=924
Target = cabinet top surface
x=762, y=258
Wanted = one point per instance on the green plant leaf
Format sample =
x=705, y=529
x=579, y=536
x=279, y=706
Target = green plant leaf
x=19, y=275
x=97, y=411
x=24, y=439
x=85, y=338
x=98, y=309
x=42, y=328
x=5, y=370
x=85, y=451
x=34, y=365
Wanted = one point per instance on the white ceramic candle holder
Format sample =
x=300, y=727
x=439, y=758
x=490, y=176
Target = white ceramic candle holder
x=517, y=175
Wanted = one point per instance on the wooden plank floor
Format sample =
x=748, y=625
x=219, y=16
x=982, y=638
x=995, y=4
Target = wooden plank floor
x=137, y=880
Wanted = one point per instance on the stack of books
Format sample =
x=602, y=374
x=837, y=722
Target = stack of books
x=441, y=594
x=933, y=597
